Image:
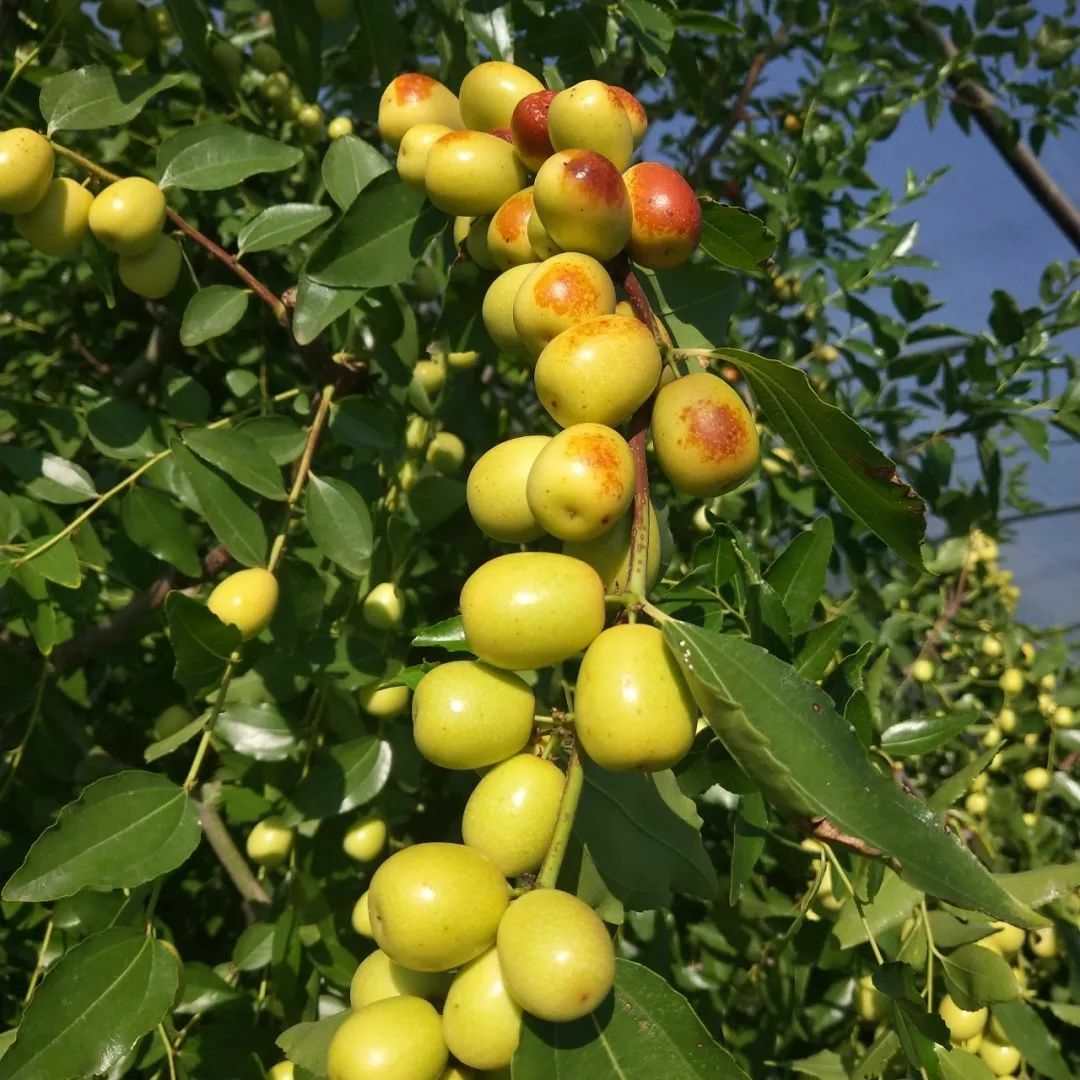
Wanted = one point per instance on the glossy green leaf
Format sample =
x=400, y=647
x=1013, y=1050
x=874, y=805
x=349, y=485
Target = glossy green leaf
x=121, y=430
x=340, y=524
x=751, y=830
x=306, y=1044
x=164, y=747
x=317, y=306
x=209, y=157
x=279, y=226
x=1026, y=1031
x=211, y=312
x=819, y=647
x=1043, y=884
x=122, y=831
x=283, y=439
x=653, y=29
x=95, y=97
x=808, y=761
x=346, y=776
x=734, y=237
x=957, y=1064
x=893, y=903
x=365, y=425
x=47, y=476
x=91, y=1008
x=917, y=1029
x=798, y=573
x=201, y=641
x=349, y=166
x=204, y=989
x=695, y=302
x=448, y=634
x=59, y=563
x=925, y=733
x=608, y=1044
x=298, y=34
x=154, y=522
x=435, y=499
x=239, y=457
x=862, y=478
x=256, y=731
x=958, y=784
x=977, y=976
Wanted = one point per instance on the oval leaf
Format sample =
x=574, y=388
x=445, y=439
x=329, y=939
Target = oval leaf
x=93, y=97
x=735, y=237
x=154, y=522
x=345, y=777
x=924, y=734
x=278, y=226
x=339, y=523
x=256, y=731
x=214, y=156
x=239, y=457
x=201, y=641
x=349, y=166
x=211, y=312
x=976, y=976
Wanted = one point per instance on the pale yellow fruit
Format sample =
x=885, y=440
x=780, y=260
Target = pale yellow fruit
x=395, y=1039
x=384, y=606
x=1011, y=681
x=991, y=646
x=498, y=308
x=531, y=609
x=365, y=839
x=1000, y=1060
x=540, y=239
x=633, y=709
x=559, y=293
x=270, y=842
x=413, y=99
x=445, y=453
x=609, y=553
x=361, y=916
x=383, y=701
x=26, y=168
x=1006, y=721
x=495, y=490
x=467, y=715
x=436, y=906
x=511, y=815
x=283, y=1070
x=1008, y=938
x=412, y=156
x=490, y=91
x=1062, y=717
x=128, y=215
x=1043, y=943
x=246, y=600
x=599, y=371
x=976, y=804
x=582, y=482
x=476, y=242
x=472, y=172
x=590, y=116
x=508, y=231
x=635, y=113
x=57, y=224
x=431, y=375
x=870, y=1003
x=961, y=1023
x=152, y=273
x=481, y=1021
x=378, y=978
x=339, y=127
x=1037, y=779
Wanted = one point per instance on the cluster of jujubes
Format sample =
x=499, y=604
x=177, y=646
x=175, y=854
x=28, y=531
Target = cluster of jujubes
x=54, y=214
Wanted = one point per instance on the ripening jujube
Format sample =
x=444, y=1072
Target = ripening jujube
x=590, y=116
x=128, y=215
x=609, y=553
x=508, y=231
x=26, y=169
x=490, y=92
x=495, y=491
x=472, y=172
x=60, y=220
x=412, y=99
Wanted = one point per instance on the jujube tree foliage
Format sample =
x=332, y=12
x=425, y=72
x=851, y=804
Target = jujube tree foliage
x=467, y=608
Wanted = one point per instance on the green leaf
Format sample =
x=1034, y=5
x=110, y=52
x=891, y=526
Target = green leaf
x=93, y=97
x=380, y=37
x=349, y=166
x=797, y=575
x=121, y=832
x=209, y=157
x=448, y=634
x=48, y=477
x=704, y=22
x=240, y=458
x=653, y=29
x=340, y=524
x=256, y=731
x=957, y=1064
x=695, y=302
x=298, y=34
x=894, y=901
x=435, y=499
x=306, y=1044
x=751, y=829
x=59, y=563
x=1006, y=320
x=819, y=647
x=204, y=989
x=959, y=782
x=121, y=430
x=644, y=836
x=90, y=1009
x=341, y=779
x=976, y=976
x=164, y=747
x=916, y=1028
x=825, y=1065
x=1026, y=1031
x=365, y=425
x=201, y=641
x=317, y=306
x=1043, y=884
x=861, y=477
x=808, y=761
x=211, y=312
x=378, y=240
x=283, y=439
x=234, y=522
x=734, y=237
x=911, y=737
x=279, y=226
x=154, y=522
x=644, y=1030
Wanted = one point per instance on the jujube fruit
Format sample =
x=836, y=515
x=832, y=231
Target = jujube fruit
x=495, y=490
x=431, y=375
x=666, y=216
x=339, y=127
x=490, y=92
x=467, y=715
x=499, y=306
x=635, y=113
x=57, y=225
x=481, y=1021
x=539, y=238
x=412, y=155
x=632, y=708
x=599, y=371
x=26, y=168
x=377, y=978
x=265, y=57
x=703, y=434
x=445, y=453
x=870, y=1003
x=115, y=13
x=412, y=99
x=384, y=606
x=436, y=906
x=152, y=274
x=471, y=172
x=365, y=839
x=137, y=39
x=529, y=128
x=531, y=609
x=581, y=482
x=246, y=600
x=283, y=1070
x=508, y=231
x=383, y=701
x=609, y=553
x=1000, y=1060
x=395, y=1039
x=476, y=241
x=511, y=814
x=962, y=1023
x=361, y=916
x=1008, y=938
x=557, y=958
x=590, y=116
x=269, y=842
x=1043, y=943
x=128, y=215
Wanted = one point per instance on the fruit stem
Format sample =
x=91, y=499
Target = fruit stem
x=208, y=731
x=560, y=839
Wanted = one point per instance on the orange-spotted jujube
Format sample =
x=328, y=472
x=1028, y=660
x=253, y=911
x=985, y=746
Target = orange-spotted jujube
x=508, y=232
x=564, y=290
x=705, y=439
x=412, y=99
x=529, y=128
x=635, y=113
x=591, y=116
x=666, y=222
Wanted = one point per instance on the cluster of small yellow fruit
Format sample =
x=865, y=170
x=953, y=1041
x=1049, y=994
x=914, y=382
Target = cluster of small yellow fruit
x=54, y=214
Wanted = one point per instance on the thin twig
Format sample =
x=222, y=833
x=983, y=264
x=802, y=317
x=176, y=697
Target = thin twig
x=228, y=854
x=564, y=826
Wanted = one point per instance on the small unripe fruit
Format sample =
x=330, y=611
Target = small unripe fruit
x=583, y=203
x=128, y=215
x=57, y=225
x=115, y=13
x=468, y=715
x=923, y=670
x=635, y=113
x=490, y=92
x=529, y=129
x=633, y=709
x=704, y=436
x=446, y=453
x=991, y=646
x=361, y=916
x=436, y=906
x=1006, y=721
x=871, y=1004
x=333, y=10
x=384, y=606
x=1043, y=943
x=1048, y=682
x=581, y=482
x=481, y=1021
x=412, y=156
x=499, y=305
x=1037, y=779
x=265, y=58
x=276, y=87
x=229, y=59
x=310, y=116
x=137, y=39
x=508, y=232
x=666, y=216
x=365, y=840
x=471, y=172
x=511, y=815
x=976, y=804
x=609, y=553
x=599, y=371
x=591, y=116
x=531, y=609
x=283, y=1070
x=1007, y=937
x=154, y=273
x=396, y=1039
x=476, y=242
x=462, y=361
x=378, y=978
x=431, y=375
x=269, y=842
x=562, y=291
x=246, y=600
x=26, y=168
x=1062, y=716
x=339, y=127
x=412, y=99
x=1011, y=681
x=171, y=720
x=1000, y=1060
x=160, y=22
x=1030, y=820
x=826, y=354
x=992, y=738
x=540, y=239
x=962, y=1024
x=557, y=958
x=495, y=490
